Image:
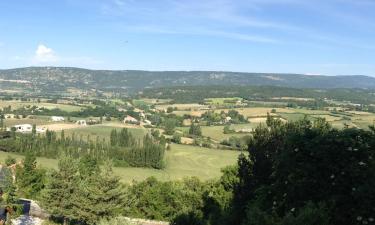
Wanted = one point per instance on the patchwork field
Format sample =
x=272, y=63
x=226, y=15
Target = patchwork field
x=182, y=161
x=37, y=120
x=20, y=104
x=181, y=106
x=103, y=131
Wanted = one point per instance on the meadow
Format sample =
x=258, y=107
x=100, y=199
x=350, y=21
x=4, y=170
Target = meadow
x=181, y=161
x=19, y=104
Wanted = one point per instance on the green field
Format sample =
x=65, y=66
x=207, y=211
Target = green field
x=222, y=101
x=37, y=120
x=102, y=131
x=217, y=132
x=182, y=161
x=20, y=104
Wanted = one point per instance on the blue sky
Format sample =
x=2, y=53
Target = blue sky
x=290, y=36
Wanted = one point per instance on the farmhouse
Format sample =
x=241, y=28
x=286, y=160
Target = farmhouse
x=81, y=122
x=57, y=118
x=147, y=122
x=130, y=119
x=23, y=128
x=9, y=116
x=227, y=119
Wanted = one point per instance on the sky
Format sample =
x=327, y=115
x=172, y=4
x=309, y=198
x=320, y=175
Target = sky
x=331, y=37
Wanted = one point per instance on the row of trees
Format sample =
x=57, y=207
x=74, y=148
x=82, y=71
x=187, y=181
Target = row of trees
x=123, y=148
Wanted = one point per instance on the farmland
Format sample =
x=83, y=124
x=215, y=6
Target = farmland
x=182, y=161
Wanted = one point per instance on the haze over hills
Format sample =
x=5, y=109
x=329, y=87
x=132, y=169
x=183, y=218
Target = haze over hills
x=60, y=78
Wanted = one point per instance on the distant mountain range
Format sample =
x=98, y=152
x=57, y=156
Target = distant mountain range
x=60, y=78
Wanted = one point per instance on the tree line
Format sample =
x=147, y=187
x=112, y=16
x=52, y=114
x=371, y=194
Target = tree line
x=123, y=148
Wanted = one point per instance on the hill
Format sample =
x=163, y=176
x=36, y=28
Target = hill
x=58, y=79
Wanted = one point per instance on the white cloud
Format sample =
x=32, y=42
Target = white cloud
x=43, y=54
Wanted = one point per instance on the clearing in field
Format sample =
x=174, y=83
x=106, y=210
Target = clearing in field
x=217, y=133
x=102, y=131
x=182, y=107
x=182, y=161
x=259, y=111
x=21, y=104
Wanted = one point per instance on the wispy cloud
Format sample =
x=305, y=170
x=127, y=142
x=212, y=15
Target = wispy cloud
x=204, y=32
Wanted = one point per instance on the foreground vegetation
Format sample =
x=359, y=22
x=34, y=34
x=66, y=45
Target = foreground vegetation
x=295, y=173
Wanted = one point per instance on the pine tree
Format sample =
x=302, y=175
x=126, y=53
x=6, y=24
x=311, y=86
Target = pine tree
x=29, y=179
x=57, y=197
x=100, y=195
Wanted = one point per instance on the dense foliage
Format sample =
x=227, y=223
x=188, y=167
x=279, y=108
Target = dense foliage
x=193, y=94
x=302, y=173
x=81, y=191
x=123, y=148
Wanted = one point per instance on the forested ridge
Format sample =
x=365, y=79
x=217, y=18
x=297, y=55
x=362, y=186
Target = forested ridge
x=58, y=79
x=193, y=94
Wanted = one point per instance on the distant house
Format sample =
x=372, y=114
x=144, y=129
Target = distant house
x=147, y=122
x=81, y=122
x=57, y=118
x=130, y=119
x=228, y=119
x=23, y=128
x=9, y=116
x=40, y=129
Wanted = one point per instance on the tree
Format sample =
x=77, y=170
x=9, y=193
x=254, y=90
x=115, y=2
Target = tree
x=195, y=129
x=10, y=160
x=29, y=178
x=176, y=138
x=170, y=109
x=57, y=197
x=291, y=164
x=170, y=125
x=100, y=195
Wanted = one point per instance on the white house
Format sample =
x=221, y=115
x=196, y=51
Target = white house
x=9, y=116
x=81, y=122
x=130, y=119
x=57, y=118
x=23, y=128
x=147, y=122
x=40, y=129
x=228, y=119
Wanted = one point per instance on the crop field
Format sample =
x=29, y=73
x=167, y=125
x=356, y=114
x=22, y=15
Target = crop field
x=20, y=104
x=37, y=120
x=182, y=107
x=181, y=161
x=259, y=111
x=102, y=131
x=222, y=101
x=196, y=113
x=217, y=133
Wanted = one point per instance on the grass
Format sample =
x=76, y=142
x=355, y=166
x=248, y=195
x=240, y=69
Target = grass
x=37, y=120
x=217, y=133
x=258, y=111
x=222, y=101
x=20, y=104
x=181, y=161
x=102, y=131
x=181, y=107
